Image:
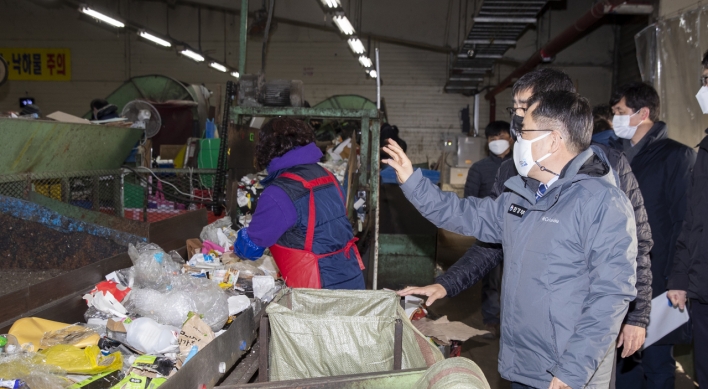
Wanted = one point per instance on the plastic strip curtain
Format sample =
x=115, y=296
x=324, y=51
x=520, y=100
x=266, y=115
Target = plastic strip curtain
x=669, y=55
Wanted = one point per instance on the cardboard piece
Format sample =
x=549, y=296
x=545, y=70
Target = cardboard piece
x=194, y=246
x=66, y=118
x=445, y=331
x=194, y=332
x=116, y=326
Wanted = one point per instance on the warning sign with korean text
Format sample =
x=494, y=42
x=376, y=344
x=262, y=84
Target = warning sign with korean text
x=37, y=64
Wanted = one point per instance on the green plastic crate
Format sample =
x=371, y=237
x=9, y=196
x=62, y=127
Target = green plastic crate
x=208, y=158
x=133, y=195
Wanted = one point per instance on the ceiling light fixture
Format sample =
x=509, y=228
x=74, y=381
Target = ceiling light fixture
x=343, y=24
x=235, y=74
x=365, y=61
x=191, y=54
x=154, y=38
x=356, y=45
x=107, y=19
x=333, y=4
x=218, y=66
x=372, y=73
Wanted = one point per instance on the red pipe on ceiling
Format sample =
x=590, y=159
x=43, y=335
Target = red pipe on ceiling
x=557, y=44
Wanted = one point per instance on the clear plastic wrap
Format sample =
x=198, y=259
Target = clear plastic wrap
x=31, y=368
x=188, y=293
x=153, y=267
x=245, y=270
x=71, y=335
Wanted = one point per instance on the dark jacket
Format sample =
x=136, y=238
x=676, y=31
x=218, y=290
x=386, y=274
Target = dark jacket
x=663, y=167
x=481, y=258
x=569, y=267
x=480, y=178
x=690, y=270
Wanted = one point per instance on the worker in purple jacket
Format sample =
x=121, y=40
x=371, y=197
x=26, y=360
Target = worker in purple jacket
x=301, y=214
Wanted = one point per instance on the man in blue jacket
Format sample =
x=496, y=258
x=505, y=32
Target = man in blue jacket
x=569, y=240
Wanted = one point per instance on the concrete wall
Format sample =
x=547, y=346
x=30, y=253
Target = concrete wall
x=413, y=79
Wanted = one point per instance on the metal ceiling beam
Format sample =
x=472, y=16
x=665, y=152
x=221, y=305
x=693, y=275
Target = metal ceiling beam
x=315, y=26
x=559, y=43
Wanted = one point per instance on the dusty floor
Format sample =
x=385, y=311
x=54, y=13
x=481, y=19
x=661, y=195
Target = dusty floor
x=466, y=307
x=14, y=279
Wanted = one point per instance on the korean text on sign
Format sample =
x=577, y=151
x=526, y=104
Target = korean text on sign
x=37, y=64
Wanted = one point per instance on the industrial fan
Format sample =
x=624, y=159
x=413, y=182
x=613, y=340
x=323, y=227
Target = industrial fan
x=143, y=115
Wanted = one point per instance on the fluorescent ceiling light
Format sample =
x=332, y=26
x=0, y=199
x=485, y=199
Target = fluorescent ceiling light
x=191, y=54
x=107, y=19
x=343, y=24
x=373, y=74
x=235, y=74
x=356, y=45
x=153, y=38
x=218, y=66
x=365, y=61
x=331, y=3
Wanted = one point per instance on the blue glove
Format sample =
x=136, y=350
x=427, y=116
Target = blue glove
x=245, y=248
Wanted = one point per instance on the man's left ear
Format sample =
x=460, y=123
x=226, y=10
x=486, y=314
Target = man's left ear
x=557, y=139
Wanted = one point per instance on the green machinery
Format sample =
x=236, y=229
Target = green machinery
x=38, y=146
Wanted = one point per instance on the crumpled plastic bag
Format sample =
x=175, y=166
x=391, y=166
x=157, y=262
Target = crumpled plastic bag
x=105, y=302
x=153, y=267
x=82, y=361
x=219, y=232
x=188, y=293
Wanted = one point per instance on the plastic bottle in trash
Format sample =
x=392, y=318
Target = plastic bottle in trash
x=151, y=337
x=9, y=344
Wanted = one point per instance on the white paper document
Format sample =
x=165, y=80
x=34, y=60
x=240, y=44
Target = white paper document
x=663, y=319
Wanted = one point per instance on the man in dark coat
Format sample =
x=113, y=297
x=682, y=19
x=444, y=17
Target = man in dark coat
x=690, y=272
x=479, y=183
x=662, y=167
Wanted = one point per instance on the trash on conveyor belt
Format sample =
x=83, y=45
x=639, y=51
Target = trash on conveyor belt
x=143, y=323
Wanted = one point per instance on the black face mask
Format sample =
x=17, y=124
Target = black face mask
x=516, y=122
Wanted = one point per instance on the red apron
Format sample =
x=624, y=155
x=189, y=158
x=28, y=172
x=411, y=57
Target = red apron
x=300, y=268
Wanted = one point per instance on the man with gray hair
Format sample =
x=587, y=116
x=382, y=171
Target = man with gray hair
x=569, y=240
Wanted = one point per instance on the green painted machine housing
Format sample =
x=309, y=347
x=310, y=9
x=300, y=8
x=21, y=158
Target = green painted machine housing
x=38, y=146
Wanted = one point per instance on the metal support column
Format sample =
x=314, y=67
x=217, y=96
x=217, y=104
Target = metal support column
x=243, y=36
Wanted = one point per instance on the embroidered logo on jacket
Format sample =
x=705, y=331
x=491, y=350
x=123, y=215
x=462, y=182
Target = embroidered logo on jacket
x=517, y=210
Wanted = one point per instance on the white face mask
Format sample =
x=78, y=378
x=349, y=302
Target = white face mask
x=499, y=146
x=702, y=97
x=620, y=123
x=523, y=157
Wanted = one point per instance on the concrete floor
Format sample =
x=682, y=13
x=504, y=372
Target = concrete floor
x=466, y=307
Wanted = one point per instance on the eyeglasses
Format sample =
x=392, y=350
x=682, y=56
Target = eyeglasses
x=519, y=133
x=704, y=80
x=515, y=110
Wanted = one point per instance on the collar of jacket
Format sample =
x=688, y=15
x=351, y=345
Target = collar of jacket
x=591, y=163
x=656, y=133
x=704, y=142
